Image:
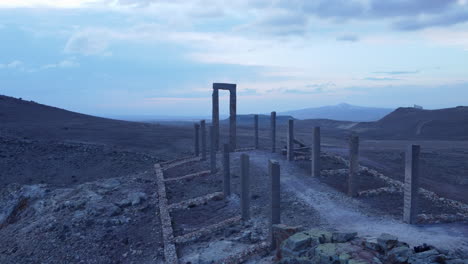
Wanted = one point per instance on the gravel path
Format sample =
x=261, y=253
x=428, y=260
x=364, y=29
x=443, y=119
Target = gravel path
x=346, y=214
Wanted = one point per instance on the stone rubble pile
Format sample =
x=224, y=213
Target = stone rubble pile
x=317, y=246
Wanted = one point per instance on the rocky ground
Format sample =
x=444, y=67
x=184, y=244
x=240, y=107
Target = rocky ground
x=89, y=199
x=111, y=220
x=63, y=164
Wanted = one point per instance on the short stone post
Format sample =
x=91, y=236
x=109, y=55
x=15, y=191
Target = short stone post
x=290, y=140
x=196, y=138
x=203, y=139
x=410, y=209
x=275, y=217
x=256, y=130
x=353, y=178
x=212, y=150
x=245, y=187
x=227, y=171
x=273, y=131
x=315, y=153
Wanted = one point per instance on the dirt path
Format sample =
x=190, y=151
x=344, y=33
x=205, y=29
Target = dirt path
x=345, y=214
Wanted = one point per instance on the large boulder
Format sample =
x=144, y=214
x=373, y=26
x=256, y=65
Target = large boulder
x=298, y=244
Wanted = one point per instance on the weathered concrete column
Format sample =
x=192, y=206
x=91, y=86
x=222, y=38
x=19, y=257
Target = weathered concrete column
x=233, y=118
x=315, y=153
x=273, y=131
x=290, y=152
x=256, y=130
x=196, y=138
x=212, y=150
x=275, y=217
x=215, y=116
x=245, y=187
x=203, y=139
x=410, y=209
x=353, y=178
x=227, y=171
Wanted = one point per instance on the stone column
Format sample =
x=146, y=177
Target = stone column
x=232, y=119
x=212, y=150
x=275, y=217
x=245, y=187
x=315, y=153
x=410, y=209
x=203, y=139
x=290, y=152
x=227, y=171
x=196, y=138
x=353, y=178
x=256, y=130
x=215, y=117
x=273, y=131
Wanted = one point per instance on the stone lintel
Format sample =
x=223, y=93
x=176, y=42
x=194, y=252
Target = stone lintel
x=224, y=86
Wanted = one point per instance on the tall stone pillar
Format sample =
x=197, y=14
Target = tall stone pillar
x=227, y=171
x=245, y=187
x=275, y=217
x=233, y=118
x=196, y=140
x=315, y=153
x=215, y=117
x=290, y=140
x=273, y=131
x=256, y=130
x=203, y=139
x=410, y=209
x=353, y=178
x=212, y=150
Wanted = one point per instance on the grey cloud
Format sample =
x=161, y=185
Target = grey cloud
x=87, y=43
x=409, y=8
x=248, y=92
x=336, y=8
x=213, y=12
x=435, y=21
x=296, y=91
x=381, y=79
x=406, y=12
x=139, y=3
x=282, y=23
x=348, y=37
x=396, y=72
x=311, y=89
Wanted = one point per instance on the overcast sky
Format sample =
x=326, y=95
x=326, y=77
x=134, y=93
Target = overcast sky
x=160, y=57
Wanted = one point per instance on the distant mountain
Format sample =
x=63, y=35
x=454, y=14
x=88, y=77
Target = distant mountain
x=413, y=123
x=263, y=120
x=342, y=112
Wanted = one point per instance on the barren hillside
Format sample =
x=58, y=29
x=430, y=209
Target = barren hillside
x=411, y=123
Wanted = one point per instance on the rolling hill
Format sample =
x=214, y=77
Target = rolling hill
x=412, y=123
x=29, y=120
x=342, y=112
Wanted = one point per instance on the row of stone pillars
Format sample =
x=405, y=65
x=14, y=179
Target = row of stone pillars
x=214, y=137
x=411, y=184
x=275, y=200
x=411, y=172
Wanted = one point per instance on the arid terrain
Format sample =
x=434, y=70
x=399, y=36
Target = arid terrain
x=82, y=189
